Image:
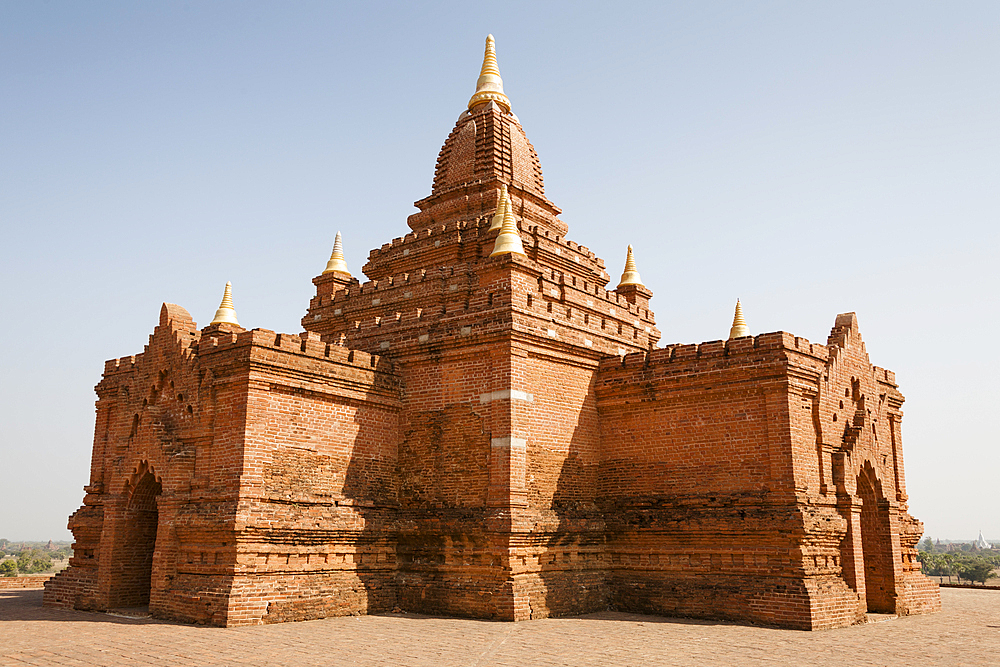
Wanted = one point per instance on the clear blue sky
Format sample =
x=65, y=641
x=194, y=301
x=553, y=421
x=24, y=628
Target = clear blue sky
x=808, y=159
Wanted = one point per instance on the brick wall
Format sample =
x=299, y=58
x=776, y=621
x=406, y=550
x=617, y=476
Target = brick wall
x=30, y=581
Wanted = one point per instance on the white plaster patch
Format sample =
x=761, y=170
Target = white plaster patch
x=384, y=345
x=508, y=441
x=406, y=251
x=338, y=311
x=504, y=394
x=588, y=342
x=552, y=333
x=465, y=331
x=376, y=302
x=423, y=338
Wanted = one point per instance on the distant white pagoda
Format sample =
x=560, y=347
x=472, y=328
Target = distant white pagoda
x=982, y=543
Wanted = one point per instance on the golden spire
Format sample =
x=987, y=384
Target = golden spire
x=337, y=263
x=501, y=207
x=631, y=274
x=740, y=328
x=226, y=314
x=508, y=240
x=490, y=85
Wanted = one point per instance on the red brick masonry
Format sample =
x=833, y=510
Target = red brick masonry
x=495, y=438
x=30, y=581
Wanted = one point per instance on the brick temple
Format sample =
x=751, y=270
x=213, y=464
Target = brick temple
x=487, y=427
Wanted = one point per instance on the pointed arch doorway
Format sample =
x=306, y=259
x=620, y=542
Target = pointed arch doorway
x=876, y=544
x=131, y=574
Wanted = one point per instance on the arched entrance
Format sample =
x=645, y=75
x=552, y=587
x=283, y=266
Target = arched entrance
x=133, y=569
x=876, y=544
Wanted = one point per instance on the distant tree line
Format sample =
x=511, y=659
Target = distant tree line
x=966, y=562
x=29, y=561
x=20, y=558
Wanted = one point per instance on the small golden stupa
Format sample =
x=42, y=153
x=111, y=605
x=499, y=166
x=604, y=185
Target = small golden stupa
x=489, y=87
x=337, y=263
x=226, y=314
x=631, y=274
x=501, y=207
x=508, y=240
x=739, y=328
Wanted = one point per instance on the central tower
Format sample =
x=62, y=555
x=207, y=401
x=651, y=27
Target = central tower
x=497, y=351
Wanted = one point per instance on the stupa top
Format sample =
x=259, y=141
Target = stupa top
x=337, y=264
x=739, y=328
x=631, y=274
x=489, y=87
x=226, y=314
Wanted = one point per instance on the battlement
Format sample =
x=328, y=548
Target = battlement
x=433, y=230
x=588, y=315
x=884, y=375
x=716, y=349
x=121, y=365
x=538, y=241
x=559, y=297
x=583, y=294
x=538, y=232
x=307, y=344
x=383, y=285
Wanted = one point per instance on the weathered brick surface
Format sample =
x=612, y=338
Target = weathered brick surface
x=496, y=438
x=30, y=581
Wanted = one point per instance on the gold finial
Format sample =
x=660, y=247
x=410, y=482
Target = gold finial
x=226, y=314
x=740, y=328
x=501, y=207
x=508, y=240
x=631, y=274
x=337, y=263
x=489, y=87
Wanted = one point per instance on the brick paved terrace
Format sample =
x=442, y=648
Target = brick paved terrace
x=965, y=632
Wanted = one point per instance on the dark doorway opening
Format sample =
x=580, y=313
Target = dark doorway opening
x=131, y=577
x=876, y=545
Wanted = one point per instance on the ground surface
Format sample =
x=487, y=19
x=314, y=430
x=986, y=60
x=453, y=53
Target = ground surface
x=966, y=632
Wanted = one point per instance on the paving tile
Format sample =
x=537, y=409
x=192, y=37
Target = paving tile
x=965, y=632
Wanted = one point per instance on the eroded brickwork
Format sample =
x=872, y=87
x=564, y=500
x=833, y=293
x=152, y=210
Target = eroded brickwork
x=493, y=437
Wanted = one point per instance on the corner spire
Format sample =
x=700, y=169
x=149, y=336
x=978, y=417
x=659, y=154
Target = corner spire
x=501, y=207
x=337, y=263
x=489, y=87
x=739, y=328
x=508, y=240
x=226, y=314
x=631, y=274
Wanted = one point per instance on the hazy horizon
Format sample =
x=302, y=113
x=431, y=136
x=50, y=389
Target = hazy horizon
x=810, y=160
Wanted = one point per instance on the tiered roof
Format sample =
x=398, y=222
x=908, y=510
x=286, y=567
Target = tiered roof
x=487, y=171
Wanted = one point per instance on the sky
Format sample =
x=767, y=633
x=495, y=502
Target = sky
x=807, y=158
